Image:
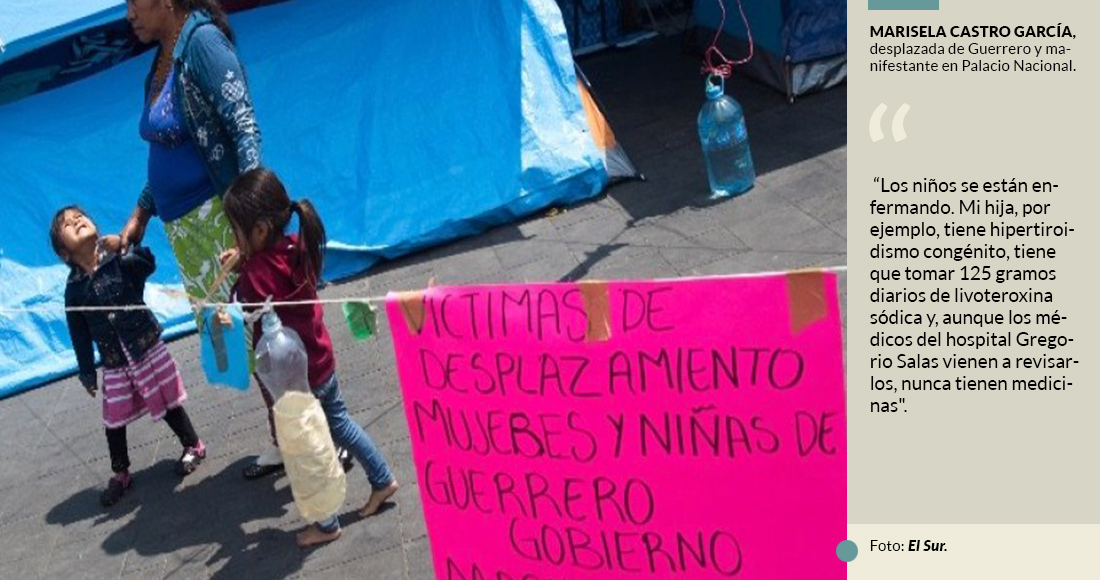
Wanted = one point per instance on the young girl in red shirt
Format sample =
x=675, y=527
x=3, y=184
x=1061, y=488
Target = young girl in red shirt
x=286, y=268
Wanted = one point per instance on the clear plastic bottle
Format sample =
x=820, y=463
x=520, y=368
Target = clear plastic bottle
x=725, y=141
x=316, y=477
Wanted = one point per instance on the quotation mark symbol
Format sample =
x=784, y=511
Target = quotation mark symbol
x=897, y=128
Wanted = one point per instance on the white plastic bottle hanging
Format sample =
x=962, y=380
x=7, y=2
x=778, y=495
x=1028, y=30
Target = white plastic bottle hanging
x=317, y=479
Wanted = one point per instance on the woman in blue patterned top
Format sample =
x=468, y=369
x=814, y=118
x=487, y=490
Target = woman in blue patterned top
x=202, y=133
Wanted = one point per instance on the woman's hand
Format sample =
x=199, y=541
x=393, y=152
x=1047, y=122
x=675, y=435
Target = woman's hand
x=134, y=230
x=111, y=243
x=230, y=258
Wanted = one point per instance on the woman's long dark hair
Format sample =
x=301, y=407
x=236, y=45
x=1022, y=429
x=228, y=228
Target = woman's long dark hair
x=257, y=196
x=212, y=8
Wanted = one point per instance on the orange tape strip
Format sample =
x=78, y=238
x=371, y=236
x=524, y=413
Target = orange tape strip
x=806, y=295
x=412, y=306
x=598, y=310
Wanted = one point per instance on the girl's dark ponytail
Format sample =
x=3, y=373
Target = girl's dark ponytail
x=257, y=196
x=311, y=234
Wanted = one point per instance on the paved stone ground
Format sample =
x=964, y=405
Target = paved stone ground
x=53, y=460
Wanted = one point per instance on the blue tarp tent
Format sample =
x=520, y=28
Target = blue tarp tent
x=50, y=43
x=800, y=45
x=26, y=25
x=408, y=123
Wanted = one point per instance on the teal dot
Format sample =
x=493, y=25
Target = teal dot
x=846, y=551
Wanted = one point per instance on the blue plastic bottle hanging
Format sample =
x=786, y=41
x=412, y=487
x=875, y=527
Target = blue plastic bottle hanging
x=225, y=358
x=725, y=141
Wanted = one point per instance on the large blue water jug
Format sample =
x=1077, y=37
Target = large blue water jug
x=725, y=141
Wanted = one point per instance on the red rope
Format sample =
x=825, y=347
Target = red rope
x=725, y=68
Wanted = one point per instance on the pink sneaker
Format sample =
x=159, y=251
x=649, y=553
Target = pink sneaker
x=191, y=459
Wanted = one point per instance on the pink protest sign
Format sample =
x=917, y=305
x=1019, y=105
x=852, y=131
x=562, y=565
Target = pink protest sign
x=667, y=429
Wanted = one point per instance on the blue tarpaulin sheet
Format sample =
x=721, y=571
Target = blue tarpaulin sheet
x=407, y=123
x=801, y=30
x=799, y=45
x=29, y=24
x=816, y=29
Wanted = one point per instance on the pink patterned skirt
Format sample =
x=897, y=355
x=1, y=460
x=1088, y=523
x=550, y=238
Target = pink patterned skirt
x=151, y=385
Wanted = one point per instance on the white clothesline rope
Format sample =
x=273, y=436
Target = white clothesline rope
x=197, y=304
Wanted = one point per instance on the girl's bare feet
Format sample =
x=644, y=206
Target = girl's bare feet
x=377, y=498
x=312, y=536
